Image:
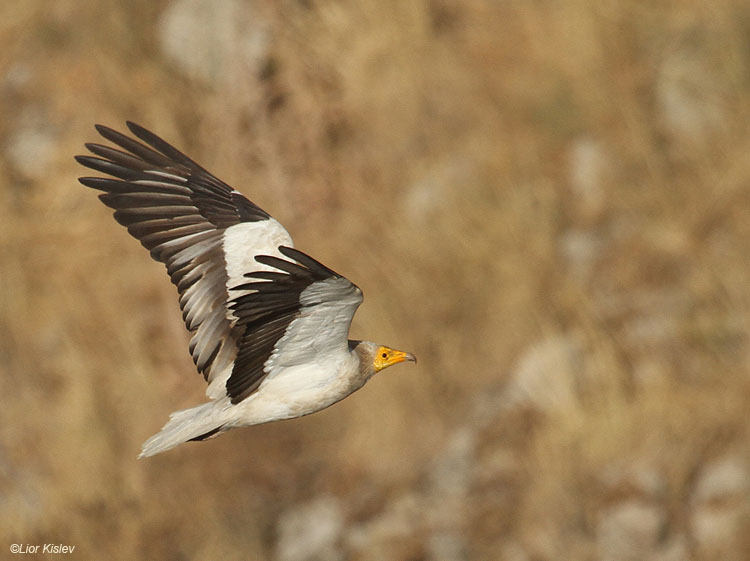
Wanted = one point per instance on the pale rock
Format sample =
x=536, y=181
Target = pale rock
x=689, y=98
x=22, y=505
x=546, y=375
x=588, y=165
x=432, y=193
x=450, y=482
x=451, y=470
x=657, y=328
x=637, y=476
x=214, y=42
x=30, y=146
x=17, y=77
x=715, y=527
x=724, y=478
x=718, y=503
x=580, y=248
x=446, y=546
x=374, y=538
x=629, y=531
x=311, y=531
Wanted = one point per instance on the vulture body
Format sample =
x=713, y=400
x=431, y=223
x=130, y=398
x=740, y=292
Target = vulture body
x=269, y=323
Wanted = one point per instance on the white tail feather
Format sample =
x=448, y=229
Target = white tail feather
x=185, y=425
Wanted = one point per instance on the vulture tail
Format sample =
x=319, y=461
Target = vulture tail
x=197, y=423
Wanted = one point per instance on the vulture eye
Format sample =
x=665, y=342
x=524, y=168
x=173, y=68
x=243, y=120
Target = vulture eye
x=384, y=355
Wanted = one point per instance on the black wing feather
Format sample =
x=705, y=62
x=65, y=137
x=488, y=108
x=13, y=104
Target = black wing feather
x=178, y=211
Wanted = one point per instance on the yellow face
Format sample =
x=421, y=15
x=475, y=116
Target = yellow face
x=385, y=357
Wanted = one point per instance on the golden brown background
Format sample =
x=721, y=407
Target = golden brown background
x=548, y=202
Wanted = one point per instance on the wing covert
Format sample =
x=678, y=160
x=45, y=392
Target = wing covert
x=290, y=314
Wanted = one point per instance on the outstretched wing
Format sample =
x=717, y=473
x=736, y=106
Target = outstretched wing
x=206, y=233
x=298, y=313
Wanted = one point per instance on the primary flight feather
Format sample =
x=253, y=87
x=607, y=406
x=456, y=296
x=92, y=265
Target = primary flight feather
x=269, y=323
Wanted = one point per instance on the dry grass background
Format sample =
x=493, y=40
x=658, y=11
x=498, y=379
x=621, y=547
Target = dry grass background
x=546, y=201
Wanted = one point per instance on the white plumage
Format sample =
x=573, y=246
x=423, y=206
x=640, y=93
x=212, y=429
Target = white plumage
x=269, y=324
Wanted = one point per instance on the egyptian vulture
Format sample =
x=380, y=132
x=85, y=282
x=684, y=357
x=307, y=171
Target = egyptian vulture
x=269, y=324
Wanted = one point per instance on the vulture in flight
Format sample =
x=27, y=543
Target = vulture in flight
x=269, y=323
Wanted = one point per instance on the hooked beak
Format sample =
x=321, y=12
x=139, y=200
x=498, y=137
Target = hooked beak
x=401, y=356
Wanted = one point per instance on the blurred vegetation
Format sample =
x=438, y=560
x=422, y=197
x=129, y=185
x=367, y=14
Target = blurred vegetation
x=546, y=201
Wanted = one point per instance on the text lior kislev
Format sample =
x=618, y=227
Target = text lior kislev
x=41, y=548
